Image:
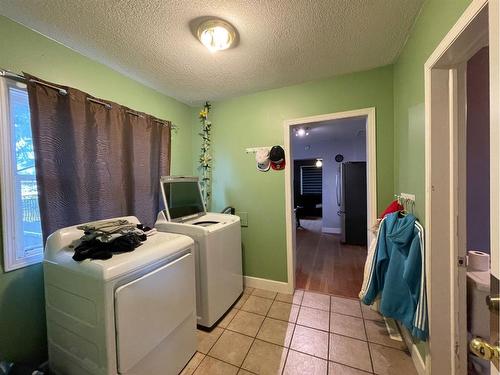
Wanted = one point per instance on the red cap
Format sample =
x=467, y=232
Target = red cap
x=278, y=166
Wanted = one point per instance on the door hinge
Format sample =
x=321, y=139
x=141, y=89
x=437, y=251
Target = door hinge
x=462, y=261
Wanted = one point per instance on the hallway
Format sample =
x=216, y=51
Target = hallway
x=325, y=265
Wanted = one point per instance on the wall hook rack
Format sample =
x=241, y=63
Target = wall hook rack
x=253, y=150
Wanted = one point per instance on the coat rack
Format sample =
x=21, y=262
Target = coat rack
x=253, y=150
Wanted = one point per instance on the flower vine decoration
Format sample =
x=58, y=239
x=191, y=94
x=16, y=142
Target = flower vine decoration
x=205, y=157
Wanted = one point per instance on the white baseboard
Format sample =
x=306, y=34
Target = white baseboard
x=415, y=354
x=331, y=230
x=266, y=284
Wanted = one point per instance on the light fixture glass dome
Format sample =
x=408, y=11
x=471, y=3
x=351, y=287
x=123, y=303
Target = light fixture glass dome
x=216, y=35
x=319, y=163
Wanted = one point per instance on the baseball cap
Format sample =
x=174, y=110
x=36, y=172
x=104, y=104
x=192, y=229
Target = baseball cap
x=262, y=159
x=277, y=157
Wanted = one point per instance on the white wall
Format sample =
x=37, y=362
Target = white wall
x=353, y=149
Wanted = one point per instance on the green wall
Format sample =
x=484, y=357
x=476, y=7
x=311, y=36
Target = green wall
x=396, y=91
x=257, y=120
x=435, y=20
x=22, y=320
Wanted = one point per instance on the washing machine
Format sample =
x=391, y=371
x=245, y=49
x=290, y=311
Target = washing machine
x=217, y=238
x=133, y=314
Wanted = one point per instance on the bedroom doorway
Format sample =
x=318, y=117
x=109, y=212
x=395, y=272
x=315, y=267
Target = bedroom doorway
x=331, y=200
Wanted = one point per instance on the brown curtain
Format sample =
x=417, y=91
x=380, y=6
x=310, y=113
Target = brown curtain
x=94, y=161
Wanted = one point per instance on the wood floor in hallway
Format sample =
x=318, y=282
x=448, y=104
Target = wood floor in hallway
x=324, y=264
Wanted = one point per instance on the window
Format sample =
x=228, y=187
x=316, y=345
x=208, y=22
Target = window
x=22, y=232
x=311, y=179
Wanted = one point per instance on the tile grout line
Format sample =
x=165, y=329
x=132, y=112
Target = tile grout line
x=221, y=360
x=215, y=342
x=354, y=368
x=367, y=340
x=293, y=333
x=223, y=330
x=329, y=333
x=254, y=338
x=266, y=316
x=198, y=365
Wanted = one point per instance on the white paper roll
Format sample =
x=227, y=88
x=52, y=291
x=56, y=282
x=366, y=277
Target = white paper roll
x=478, y=261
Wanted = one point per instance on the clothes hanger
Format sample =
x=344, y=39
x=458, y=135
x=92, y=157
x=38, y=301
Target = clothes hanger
x=404, y=211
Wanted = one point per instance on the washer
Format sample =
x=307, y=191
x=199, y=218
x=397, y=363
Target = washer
x=131, y=314
x=217, y=237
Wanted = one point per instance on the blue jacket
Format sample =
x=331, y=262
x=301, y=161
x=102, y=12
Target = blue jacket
x=398, y=274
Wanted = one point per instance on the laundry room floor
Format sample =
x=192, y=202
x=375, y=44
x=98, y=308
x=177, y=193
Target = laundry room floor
x=304, y=333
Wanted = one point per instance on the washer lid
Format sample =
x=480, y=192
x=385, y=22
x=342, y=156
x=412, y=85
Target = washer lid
x=214, y=220
x=481, y=279
x=59, y=250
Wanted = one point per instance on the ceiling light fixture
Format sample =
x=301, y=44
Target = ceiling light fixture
x=301, y=132
x=216, y=34
x=319, y=163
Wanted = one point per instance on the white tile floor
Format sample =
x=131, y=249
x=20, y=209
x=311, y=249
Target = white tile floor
x=305, y=333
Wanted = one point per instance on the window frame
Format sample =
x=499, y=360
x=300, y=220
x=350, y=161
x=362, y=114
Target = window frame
x=7, y=187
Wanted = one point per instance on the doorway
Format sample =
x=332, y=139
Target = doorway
x=319, y=257
x=475, y=239
x=330, y=205
x=462, y=139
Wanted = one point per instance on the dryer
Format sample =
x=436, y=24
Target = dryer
x=217, y=237
x=133, y=314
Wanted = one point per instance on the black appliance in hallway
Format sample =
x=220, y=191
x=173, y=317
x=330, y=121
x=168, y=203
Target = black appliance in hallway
x=353, y=202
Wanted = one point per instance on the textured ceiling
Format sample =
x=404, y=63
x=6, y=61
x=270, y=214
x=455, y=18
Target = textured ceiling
x=281, y=42
x=334, y=130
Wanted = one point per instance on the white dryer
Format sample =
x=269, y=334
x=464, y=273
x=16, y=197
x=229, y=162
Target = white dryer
x=133, y=314
x=219, y=276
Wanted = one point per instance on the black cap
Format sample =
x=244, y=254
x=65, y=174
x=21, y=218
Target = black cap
x=276, y=154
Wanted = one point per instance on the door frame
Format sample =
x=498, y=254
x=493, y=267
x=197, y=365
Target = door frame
x=371, y=160
x=445, y=141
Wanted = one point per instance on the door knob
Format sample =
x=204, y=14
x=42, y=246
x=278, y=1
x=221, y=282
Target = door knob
x=484, y=350
x=493, y=302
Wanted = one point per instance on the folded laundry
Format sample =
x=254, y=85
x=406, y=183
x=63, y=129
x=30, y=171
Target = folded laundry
x=103, y=239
